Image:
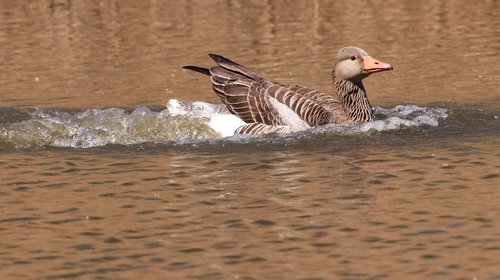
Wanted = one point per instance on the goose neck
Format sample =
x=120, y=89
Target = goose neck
x=352, y=96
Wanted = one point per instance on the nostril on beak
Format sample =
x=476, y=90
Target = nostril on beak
x=376, y=62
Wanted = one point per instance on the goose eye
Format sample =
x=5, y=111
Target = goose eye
x=353, y=57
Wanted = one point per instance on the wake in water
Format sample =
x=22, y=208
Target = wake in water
x=97, y=127
x=398, y=117
x=179, y=122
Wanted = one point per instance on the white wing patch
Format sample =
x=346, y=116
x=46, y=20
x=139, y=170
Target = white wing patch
x=288, y=116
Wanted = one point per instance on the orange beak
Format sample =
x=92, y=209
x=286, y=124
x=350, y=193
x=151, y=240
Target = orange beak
x=371, y=65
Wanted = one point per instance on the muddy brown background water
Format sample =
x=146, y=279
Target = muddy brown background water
x=403, y=205
x=125, y=53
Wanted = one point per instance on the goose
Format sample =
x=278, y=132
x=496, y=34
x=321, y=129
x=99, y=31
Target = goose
x=266, y=106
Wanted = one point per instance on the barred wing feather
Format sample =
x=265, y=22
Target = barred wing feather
x=258, y=100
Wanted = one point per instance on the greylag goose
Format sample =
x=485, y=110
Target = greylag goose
x=267, y=106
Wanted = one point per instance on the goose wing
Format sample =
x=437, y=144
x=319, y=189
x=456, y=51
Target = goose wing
x=258, y=100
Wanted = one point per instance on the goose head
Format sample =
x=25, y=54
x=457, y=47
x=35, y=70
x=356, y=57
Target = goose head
x=354, y=64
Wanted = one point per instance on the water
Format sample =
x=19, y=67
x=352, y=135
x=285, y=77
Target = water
x=101, y=180
x=40, y=128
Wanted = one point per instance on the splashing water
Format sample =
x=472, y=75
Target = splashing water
x=180, y=121
x=96, y=127
x=401, y=116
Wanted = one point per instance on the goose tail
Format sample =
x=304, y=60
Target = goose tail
x=197, y=69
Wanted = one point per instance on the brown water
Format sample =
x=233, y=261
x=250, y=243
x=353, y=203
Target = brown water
x=116, y=194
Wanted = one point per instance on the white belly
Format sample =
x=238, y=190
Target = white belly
x=217, y=116
x=225, y=124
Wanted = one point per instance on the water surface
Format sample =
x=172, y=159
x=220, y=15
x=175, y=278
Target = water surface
x=100, y=181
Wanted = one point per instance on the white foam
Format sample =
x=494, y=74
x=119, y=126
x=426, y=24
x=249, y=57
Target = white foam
x=401, y=116
x=180, y=121
x=99, y=127
x=197, y=109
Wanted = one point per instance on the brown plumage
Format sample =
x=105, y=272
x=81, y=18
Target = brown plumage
x=272, y=107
